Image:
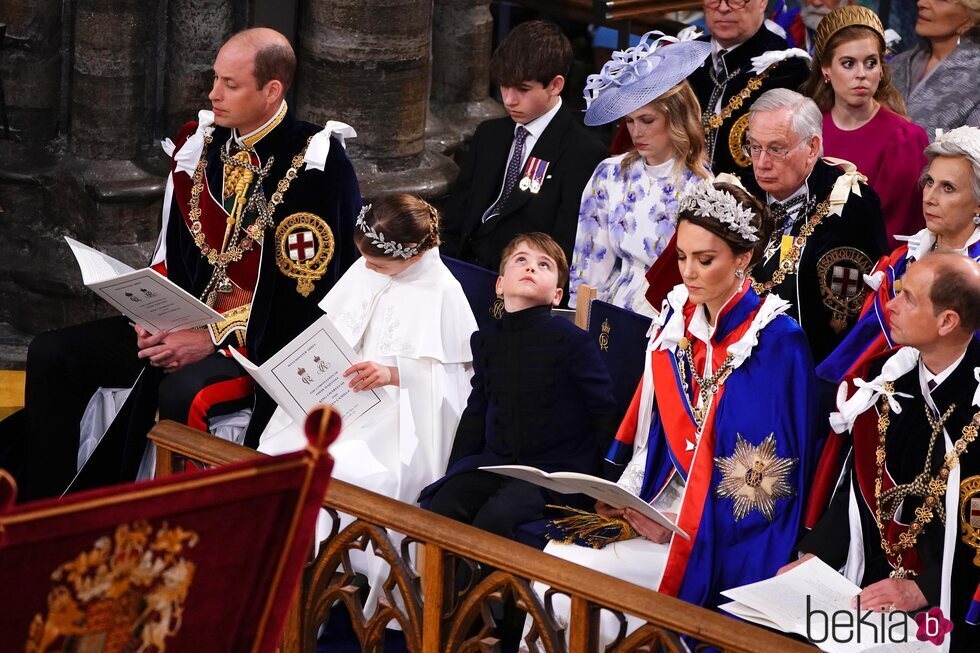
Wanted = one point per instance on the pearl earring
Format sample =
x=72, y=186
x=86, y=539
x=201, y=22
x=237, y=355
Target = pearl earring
x=976, y=218
x=739, y=273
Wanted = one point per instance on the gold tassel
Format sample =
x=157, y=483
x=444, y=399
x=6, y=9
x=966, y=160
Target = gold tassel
x=590, y=529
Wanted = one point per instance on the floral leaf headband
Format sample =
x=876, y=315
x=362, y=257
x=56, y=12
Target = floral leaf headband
x=965, y=138
x=389, y=247
x=706, y=201
x=631, y=64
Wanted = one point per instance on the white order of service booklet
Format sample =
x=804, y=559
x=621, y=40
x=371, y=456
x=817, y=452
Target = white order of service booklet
x=814, y=600
x=309, y=371
x=145, y=296
x=593, y=486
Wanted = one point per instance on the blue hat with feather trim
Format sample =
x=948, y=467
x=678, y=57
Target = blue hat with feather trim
x=639, y=75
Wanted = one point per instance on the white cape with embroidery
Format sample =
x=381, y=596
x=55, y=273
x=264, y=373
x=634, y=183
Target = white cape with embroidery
x=420, y=321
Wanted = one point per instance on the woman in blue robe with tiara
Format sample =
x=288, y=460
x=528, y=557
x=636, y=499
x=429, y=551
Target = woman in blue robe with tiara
x=720, y=434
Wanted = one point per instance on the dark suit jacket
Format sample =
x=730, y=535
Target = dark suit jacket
x=572, y=153
x=840, y=243
x=541, y=397
x=790, y=73
x=905, y=450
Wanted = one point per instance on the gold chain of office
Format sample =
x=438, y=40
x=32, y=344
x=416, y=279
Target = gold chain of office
x=933, y=491
x=716, y=120
x=707, y=386
x=788, y=264
x=231, y=250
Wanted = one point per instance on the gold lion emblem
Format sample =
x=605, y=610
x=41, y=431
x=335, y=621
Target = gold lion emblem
x=125, y=594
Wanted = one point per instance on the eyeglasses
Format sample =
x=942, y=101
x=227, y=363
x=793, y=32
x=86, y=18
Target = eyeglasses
x=732, y=4
x=775, y=152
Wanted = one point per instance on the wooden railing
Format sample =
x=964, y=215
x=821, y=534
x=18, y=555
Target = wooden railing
x=421, y=592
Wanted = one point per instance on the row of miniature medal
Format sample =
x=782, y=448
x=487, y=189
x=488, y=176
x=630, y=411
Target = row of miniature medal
x=534, y=174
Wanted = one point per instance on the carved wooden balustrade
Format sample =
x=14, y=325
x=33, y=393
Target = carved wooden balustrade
x=437, y=614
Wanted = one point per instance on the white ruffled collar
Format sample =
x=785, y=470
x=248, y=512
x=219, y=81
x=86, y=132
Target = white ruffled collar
x=671, y=325
x=922, y=243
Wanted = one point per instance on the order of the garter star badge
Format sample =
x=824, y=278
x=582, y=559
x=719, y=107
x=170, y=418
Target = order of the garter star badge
x=754, y=477
x=840, y=274
x=970, y=514
x=736, y=141
x=304, y=248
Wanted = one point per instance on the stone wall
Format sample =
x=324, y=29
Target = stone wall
x=93, y=85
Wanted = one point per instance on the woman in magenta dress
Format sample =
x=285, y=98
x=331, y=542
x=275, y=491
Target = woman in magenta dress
x=864, y=117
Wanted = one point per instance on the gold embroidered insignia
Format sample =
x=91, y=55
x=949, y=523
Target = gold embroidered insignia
x=126, y=594
x=304, y=248
x=736, y=141
x=497, y=308
x=840, y=275
x=604, y=336
x=970, y=514
x=754, y=477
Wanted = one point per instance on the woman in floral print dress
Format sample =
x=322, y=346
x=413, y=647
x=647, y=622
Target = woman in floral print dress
x=629, y=208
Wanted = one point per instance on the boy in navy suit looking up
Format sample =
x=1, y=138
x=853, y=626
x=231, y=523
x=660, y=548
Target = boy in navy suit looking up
x=541, y=397
x=525, y=172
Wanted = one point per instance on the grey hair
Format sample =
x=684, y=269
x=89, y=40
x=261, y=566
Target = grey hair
x=806, y=120
x=949, y=148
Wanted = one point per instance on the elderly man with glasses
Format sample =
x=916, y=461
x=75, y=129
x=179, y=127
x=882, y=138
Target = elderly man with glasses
x=829, y=227
x=747, y=59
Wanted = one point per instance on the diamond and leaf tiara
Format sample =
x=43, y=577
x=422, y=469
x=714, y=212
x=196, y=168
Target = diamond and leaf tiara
x=706, y=201
x=389, y=247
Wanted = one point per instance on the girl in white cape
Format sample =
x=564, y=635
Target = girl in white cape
x=400, y=308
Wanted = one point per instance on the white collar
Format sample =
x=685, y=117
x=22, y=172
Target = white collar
x=539, y=124
x=717, y=47
x=660, y=170
x=427, y=259
x=241, y=139
x=922, y=243
x=699, y=327
x=928, y=376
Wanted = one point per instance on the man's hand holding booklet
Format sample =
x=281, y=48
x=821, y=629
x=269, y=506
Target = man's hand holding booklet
x=814, y=600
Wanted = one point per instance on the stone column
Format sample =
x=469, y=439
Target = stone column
x=30, y=67
x=98, y=191
x=462, y=33
x=196, y=29
x=109, y=78
x=367, y=63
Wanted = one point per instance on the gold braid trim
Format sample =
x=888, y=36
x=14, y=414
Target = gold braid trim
x=590, y=529
x=235, y=320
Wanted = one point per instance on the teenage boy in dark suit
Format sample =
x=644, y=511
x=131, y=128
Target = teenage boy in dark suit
x=526, y=172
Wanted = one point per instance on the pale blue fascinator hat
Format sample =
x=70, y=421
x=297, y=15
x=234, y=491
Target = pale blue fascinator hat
x=639, y=75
